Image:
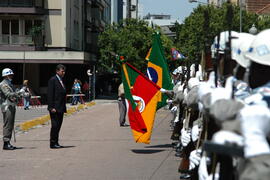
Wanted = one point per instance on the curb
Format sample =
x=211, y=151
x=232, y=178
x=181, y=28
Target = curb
x=25, y=126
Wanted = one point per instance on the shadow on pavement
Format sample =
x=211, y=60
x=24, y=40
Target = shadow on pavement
x=146, y=151
x=160, y=146
x=68, y=146
x=17, y=148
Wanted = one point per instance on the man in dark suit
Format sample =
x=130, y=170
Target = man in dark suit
x=56, y=104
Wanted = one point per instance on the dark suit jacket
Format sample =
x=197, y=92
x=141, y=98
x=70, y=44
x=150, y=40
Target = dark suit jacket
x=56, y=95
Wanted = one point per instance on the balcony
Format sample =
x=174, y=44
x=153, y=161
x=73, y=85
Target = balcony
x=16, y=40
x=22, y=7
x=21, y=42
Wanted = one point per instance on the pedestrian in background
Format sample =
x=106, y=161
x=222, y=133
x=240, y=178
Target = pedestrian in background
x=76, y=88
x=26, y=95
x=56, y=104
x=9, y=100
x=122, y=105
x=85, y=89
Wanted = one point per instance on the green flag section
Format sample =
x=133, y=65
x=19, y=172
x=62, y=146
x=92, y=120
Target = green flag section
x=142, y=95
x=157, y=68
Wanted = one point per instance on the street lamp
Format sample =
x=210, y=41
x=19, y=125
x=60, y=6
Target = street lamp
x=89, y=89
x=253, y=30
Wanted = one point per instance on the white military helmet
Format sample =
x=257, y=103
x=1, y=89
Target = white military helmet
x=259, y=50
x=223, y=39
x=240, y=46
x=7, y=72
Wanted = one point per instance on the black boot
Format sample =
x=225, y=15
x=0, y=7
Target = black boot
x=8, y=146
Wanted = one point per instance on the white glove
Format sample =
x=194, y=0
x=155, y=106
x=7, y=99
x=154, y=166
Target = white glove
x=195, y=131
x=185, y=137
x=22, y=91
x=194, y=158
x=222, y=137
x=174, y=109
x=163, y=90
x=203, y=174
x=169, y=101
x=255, y=123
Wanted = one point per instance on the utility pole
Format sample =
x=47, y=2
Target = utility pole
x=137, y=8
x=128, y=8
x=240, y=14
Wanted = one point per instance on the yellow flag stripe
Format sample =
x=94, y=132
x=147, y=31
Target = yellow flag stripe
x=126, y=74
x=148, y=116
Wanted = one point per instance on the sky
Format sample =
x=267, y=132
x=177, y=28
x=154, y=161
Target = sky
x=178, y=9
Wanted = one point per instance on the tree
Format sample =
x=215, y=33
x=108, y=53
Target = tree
x=131, y=38
x=195, y=33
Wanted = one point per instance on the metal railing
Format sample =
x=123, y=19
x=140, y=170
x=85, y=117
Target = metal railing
x=16, y=40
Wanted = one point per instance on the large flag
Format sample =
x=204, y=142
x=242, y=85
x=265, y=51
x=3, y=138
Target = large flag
x=158, y=70
x=142, y=95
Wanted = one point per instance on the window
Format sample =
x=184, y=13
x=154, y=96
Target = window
x=14, y=26
x=28, y=26
x=5, y=26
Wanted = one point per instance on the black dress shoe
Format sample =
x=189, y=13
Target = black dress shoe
x=8, y=146
x=185, y=176
x=55, y=146
x=59, y=145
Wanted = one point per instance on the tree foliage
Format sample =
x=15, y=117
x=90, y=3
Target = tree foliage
x=198, y=31
x=131, y=38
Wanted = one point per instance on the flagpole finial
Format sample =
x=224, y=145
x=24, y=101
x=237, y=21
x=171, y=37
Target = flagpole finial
x=121, y=58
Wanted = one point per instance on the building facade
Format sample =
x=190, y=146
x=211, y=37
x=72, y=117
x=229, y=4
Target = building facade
x=116, y=11
x=261, y=7
x=132, y=9
x=165, y=22
x=220, y=2
x=35, y=35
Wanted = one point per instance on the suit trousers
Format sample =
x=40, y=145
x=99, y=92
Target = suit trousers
x=56, y=123
x=8, y=125
x=122, y=110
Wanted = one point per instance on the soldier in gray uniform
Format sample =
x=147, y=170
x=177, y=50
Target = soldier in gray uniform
x=8, y=107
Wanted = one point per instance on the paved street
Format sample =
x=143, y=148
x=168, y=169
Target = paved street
x=96, y=149
x=25, y=115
